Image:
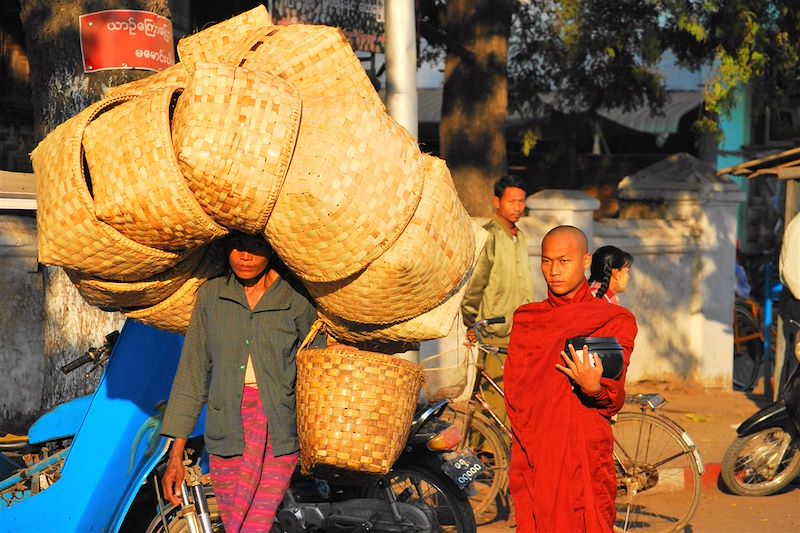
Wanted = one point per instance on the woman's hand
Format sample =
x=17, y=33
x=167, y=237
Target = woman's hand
x=173, y=476
x=584, y=369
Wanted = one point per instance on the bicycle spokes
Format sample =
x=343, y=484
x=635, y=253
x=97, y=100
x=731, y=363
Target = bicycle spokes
x=658, y=479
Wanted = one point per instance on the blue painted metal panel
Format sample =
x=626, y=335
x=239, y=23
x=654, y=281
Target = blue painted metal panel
x=60, y=422
x=98, y=483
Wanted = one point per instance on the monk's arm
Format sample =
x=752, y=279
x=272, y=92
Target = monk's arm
x=611, y=397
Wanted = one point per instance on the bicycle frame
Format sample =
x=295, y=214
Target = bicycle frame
x=651, y=402
x=752, y=308
x=484, y=350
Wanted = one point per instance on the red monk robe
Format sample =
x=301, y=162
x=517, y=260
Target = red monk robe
x=562, y=470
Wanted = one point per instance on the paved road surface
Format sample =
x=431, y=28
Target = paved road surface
x=710, y=417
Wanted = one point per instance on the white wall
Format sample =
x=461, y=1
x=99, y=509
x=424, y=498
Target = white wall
x=679, y=222
x=21, y=323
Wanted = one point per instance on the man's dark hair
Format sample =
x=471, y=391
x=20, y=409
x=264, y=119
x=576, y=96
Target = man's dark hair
x=505, y=182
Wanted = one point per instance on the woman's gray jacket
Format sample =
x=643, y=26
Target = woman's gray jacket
x=222, y=333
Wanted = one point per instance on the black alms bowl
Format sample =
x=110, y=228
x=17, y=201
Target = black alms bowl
x=607, y=348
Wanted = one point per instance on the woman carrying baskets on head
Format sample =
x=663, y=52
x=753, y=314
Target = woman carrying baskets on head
x=239, y=358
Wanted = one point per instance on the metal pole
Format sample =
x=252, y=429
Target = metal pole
x=401, y=78
x=401, y=63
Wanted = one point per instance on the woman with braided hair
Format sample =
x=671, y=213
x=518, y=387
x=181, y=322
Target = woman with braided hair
x=609, y=273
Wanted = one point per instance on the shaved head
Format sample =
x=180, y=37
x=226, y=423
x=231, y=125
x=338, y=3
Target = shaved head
x=565, y=257
x=571, y=233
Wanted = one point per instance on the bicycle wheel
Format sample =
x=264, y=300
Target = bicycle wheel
x=658, y=478
x=491, y=500
x=747, y=351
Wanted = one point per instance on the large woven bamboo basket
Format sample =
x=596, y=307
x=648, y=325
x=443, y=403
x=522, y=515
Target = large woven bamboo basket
x=419, y=271
x=138, y=186
x=173, y=313
x=318, y=60
x=214, y=43
x=352, y=187
x=173, y=76
x=115, y=295
x=354, y=408
x=433, y=324
x=234, y=131
x=69, y=233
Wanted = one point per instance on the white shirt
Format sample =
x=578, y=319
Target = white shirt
x=790, y=257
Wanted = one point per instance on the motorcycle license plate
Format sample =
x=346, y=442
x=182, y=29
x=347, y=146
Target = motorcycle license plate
x=463, y=468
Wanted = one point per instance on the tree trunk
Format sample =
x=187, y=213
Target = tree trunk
x=60, y=89
x=475, y=99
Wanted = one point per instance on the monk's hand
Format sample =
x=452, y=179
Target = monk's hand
x=584, y=369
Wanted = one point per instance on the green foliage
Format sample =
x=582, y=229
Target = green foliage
x=530, y=139
x=584, y=55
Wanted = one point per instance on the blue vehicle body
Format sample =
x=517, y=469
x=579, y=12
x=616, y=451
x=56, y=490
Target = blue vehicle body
x=61, y=422
x=116, y=443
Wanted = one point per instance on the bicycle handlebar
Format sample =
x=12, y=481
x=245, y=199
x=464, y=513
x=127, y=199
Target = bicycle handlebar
x=488, y=348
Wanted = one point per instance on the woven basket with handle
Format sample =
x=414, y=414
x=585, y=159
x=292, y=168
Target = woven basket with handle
x=353, y=184
x=318, y=60
x=234, y=131
x=418, y=272
x=432, y=324
x=138, y=186
x=354, y=408
x=69, y=233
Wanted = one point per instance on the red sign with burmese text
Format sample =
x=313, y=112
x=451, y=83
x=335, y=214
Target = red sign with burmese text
x=125, y=38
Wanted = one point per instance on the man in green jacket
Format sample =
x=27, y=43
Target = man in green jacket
x=502, y=279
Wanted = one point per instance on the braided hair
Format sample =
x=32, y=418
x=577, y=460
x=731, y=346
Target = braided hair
x=604, y=260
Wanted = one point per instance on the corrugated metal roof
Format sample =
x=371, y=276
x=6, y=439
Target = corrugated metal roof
x=642, y=119
x=429, y=104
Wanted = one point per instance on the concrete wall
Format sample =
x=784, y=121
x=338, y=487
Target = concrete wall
x=678, y=219
x=679, y=222
x=21, y=323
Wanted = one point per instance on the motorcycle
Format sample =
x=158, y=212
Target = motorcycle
x=425, y=491
x=766, y=455
x=93, y=463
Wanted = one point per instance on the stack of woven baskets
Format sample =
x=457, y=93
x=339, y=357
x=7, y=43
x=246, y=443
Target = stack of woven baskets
x=264, y=129
x=272, y=130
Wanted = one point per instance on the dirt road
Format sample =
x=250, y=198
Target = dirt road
x=711, y=418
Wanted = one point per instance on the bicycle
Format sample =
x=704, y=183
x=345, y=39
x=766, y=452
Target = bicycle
x=483, y=432
x=748, y=344
x=653, y=456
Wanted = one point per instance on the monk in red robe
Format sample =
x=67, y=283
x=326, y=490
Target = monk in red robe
x=562, y=470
